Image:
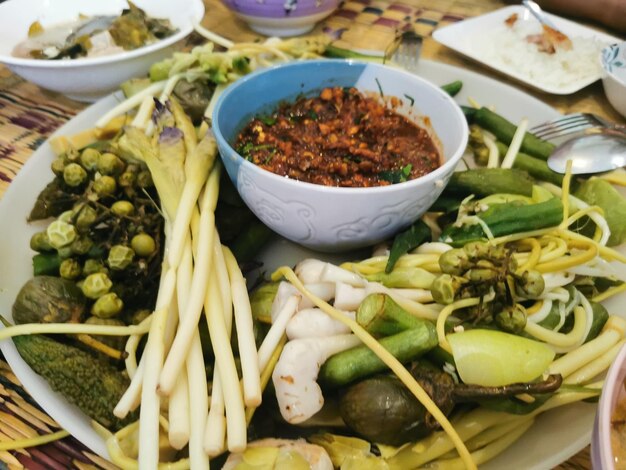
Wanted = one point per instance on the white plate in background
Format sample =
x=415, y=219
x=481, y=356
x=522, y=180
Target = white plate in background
x=466, y=37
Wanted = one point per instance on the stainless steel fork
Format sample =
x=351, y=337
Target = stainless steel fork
x=406, y=50
x=571, y=124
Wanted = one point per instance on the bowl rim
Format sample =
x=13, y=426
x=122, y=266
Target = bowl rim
x=606, y=405
x=197, y=11
x=609, y=73
x=439, y=173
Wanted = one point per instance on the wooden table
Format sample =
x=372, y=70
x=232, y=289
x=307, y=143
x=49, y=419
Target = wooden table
x=28, y=114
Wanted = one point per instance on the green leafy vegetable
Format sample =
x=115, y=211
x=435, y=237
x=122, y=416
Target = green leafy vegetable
x=414, y=236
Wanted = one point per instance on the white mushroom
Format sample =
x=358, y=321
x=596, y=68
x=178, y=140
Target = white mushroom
x=295, y=375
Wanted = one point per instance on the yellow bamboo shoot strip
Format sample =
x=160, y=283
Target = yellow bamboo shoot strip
x=384, y=355
x=70, y=329
x=132, y=396
x=516, y=143
x=195, y=374
x=579, y=204
x=558, y=249
x=178, y=413
x=607, y=253
x=562, y=340
x=493, y=161
x=223, y=281
x=595, y=367
x=143, y=113
x=492, y=434
x=535, y=254
x=131, y=349
x=488, y=452
x=189, y=324
x=418, y=309
x=534, y=308
x=211, y=36
x=198, y=165
x=123, y=461
x=613, y=331
x=266, y=374
x=439, y=443
x=569, y=261
x=250, y=371
x=33, y=441
x=215, y=428
x=472, y=424
x=155, y=353
x=447, y=311
x=224, y=359
x=587, y=211
x=199, y=409
x=178, y=403
x=610, y=292
x=380, y=262
x=519, y=236
x=277, y=330
x=130, y=103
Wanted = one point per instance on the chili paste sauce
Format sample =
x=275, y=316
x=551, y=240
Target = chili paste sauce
x=339, y=138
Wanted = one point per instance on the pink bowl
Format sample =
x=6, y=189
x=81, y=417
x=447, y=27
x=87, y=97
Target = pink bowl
x=282, y=17
x=613, y=392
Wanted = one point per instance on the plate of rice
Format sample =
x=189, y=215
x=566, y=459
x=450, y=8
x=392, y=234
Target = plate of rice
x=511, y=41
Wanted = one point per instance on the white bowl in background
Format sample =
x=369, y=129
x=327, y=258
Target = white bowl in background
x=89, y=78
x=614, y=75
x=327, y=218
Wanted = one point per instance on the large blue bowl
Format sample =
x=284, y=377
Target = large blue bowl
x=332, y=218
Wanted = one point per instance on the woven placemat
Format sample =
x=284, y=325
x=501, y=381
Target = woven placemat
x=28, y=115
x=21, y=418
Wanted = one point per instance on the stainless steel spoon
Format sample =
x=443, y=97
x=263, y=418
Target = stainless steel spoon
x=594, y=152
x=538, y=13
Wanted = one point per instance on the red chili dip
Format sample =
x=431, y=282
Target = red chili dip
x=339, y=138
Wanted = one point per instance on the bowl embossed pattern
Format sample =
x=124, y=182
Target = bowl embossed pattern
x=327, y=218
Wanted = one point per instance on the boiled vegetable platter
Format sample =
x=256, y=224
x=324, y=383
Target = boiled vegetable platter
x=569, y=428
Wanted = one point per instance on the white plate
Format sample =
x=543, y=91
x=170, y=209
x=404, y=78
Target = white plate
x=464, y=36
x=553, y=439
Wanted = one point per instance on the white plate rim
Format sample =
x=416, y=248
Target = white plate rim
x=455, y=37
x=35, y=173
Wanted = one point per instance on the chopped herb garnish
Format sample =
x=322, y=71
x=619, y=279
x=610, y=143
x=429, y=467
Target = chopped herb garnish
x=244, y=150
x=380, y=88
x=267, y=120
x=410, y=98
x=406, y=171
x=313, y=115
x=396, y=176
x=241, y=65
